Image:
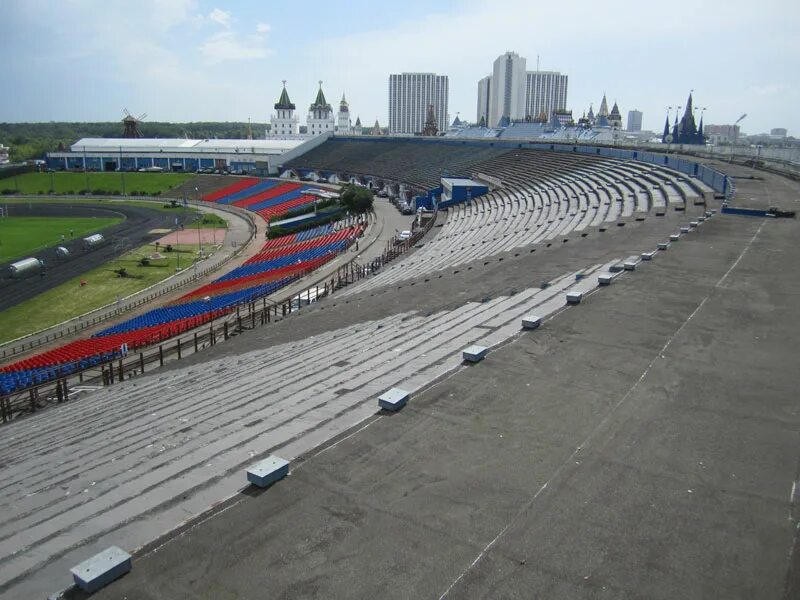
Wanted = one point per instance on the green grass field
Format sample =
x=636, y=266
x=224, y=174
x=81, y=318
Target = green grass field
x=20, y=236
x=136, y=184
x=103, y=287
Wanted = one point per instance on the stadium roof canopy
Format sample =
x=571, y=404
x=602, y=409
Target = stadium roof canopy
x=183, y=145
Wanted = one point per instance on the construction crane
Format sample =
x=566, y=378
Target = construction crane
x=735, y=131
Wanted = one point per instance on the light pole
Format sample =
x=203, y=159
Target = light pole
x=121, y=171
x=197, y=204
x=85, y=170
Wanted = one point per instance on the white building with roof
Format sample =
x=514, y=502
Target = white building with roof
x=180, y=155
x=4, y=150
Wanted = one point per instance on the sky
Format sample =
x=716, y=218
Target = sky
x=198, y=60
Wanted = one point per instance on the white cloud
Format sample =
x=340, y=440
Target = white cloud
x=220, y=17
x=226, y=46
x=263, y=28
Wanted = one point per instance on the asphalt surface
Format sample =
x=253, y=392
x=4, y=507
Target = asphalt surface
x=641, y=445
x=128, y=235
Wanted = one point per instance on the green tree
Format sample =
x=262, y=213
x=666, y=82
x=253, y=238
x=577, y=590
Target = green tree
x=357, y=199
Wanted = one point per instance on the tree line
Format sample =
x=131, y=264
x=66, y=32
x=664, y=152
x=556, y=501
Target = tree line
x=33, y=140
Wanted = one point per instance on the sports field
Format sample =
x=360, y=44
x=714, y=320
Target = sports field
x=135, y=184
x=101, y=286
x=20, y=236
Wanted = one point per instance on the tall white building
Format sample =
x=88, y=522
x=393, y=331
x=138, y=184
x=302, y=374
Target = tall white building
x=508, y=89
x=484, y=93
x=545, y=92
x=283, y=122
x=320, y=115
x=343, y=122
x=513, y=93
x=634, y=120
x=409, y=97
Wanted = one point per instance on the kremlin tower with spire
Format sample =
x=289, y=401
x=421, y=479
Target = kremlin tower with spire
x=344, y=126
x=686, y=130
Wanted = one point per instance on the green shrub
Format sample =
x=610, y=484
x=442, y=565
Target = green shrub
x=357, y=199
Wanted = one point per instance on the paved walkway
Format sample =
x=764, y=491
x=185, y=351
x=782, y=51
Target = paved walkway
x=190, y=237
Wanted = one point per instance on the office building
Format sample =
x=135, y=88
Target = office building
x=507, y=89
x=484, y=91
x=634, y=120
x=511, y=93
x=545, y=93
x=409, y=97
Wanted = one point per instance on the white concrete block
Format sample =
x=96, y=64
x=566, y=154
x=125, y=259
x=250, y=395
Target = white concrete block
x=684, y=230
x=631, y=262
x=648, y=255
x=101, y=569
x=694, y=223
x=393, y=399
x=605, y=279
x=268, y=471
x=531, y=322
x=663, y=245
x=474, y=353
x=574, y=297
x=674, y=237
x=616, y=268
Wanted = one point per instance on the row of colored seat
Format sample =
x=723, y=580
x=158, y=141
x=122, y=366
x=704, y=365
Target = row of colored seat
x=275, y=263
x=260, y=186
x=280, y=261
x=275, y=190
x=323, y=236
x=231, y=189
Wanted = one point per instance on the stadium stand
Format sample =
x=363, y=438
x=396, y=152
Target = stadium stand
x=544, y=195
x=281, y=261
x=229, y=190
x=420, y=165
x=262, y=391
x=202, y=185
